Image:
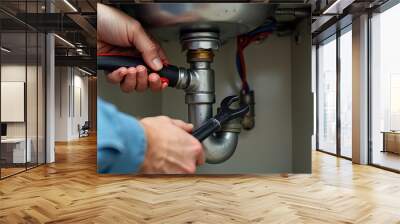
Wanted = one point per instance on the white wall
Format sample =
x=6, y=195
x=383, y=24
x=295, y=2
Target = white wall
x=16, y=73
x=70, y=83
x=12, y=73
x=79, y=117
x=61, y=103
x=12, y=100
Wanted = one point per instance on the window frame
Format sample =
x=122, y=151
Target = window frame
x=334, y=37
x=29, y=29
x=378, y=10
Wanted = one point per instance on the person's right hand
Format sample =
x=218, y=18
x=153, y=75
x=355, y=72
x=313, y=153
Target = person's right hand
x=171, y=149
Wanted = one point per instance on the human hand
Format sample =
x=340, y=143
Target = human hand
x=120, y=33
x=170, y=148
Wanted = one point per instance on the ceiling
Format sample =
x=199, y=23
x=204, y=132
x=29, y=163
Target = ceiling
x=72, y=20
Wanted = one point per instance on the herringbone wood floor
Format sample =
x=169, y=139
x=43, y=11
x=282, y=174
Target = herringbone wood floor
x=70, y=191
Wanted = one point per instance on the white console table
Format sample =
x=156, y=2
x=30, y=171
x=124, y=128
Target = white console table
x=18, y=150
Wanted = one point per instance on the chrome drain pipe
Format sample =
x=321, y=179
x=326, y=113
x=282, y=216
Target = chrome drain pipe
x=200, y=95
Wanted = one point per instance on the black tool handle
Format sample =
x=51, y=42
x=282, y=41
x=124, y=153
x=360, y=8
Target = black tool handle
x=113, y=62
x=208, y=128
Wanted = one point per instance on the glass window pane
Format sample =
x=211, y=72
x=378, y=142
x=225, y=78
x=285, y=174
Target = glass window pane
x=31, y=98
x=346, y=94
x=327, y=96
x=385, y=84
x=14, y=153
x=314, y=91
x=23, y=85
x=32, y=86
x=41, y=98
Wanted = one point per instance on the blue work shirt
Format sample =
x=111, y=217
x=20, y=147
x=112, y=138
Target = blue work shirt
x=121, y=141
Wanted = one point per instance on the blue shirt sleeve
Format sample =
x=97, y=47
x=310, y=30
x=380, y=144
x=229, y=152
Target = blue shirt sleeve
x=121, y=141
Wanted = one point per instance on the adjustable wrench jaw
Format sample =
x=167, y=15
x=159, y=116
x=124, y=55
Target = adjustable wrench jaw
x=225, y=113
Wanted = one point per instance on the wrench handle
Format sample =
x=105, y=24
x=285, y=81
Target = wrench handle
x=206, y=129
x=109, y=62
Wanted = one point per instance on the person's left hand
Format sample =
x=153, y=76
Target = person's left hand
x=120, y=33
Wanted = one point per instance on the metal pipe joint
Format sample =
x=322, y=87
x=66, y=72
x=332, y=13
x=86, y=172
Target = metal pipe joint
x=198, y=83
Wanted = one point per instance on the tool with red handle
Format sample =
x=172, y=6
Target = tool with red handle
x=111, y=62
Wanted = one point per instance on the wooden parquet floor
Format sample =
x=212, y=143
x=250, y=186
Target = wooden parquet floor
x=70, y=191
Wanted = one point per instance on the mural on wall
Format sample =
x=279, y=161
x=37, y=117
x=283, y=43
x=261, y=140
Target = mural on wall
x=218, y=115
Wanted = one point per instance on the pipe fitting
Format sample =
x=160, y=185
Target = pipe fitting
x=248, y=121
x=233, y=126
x=200, y=95
x=184, y=78
x=194, y=40
x=220, y=146
x=200, y=55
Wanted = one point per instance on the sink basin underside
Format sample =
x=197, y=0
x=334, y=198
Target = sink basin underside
x=167, y=20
